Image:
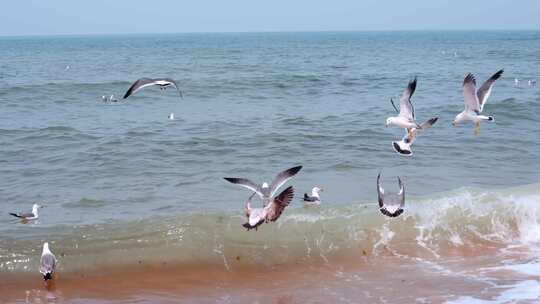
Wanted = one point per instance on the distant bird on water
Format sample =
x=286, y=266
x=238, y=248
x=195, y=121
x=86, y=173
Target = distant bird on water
x=171, y=116
x=47, y=263
x=33, y=215
x=265, y=191
x=269, y=213
x=141, y=83
x=476, y=100
x=391, y=204
x=314, y=198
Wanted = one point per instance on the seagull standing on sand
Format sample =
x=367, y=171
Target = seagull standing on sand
x=475, y=100
x=391, y=204
x=265, y=191
x=405, y=119
x=141, y=83
x=314, y=198
x=403, y=146
x=270, y=212
x=48, y=263
x=28, y=215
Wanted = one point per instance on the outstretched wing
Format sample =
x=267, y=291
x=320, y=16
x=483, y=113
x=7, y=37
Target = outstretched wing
x=279, y=203
x=469, y=93
x=406, y=108
x=246, y=183
x=138, y=85
x=282, y=178
x=485, y=90
x=380, y=191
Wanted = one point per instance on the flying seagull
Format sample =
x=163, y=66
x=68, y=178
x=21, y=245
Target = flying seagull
x=28, y=215
x=403, y=146
x=163, y=83
x=475, y=100
x=391, y=204
x=406, y=118
x=270, y=212
x=48, y=263
x=314, y=198
x=265, y=191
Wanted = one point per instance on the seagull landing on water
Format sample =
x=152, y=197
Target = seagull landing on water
x=475, y=100
x=270, y=212
x=403, y=147
x=48, y=263
x=141, y=83
x=265, y=191
x=405, y=119
x=29, y=215
x=391, y=204
x=314, y=198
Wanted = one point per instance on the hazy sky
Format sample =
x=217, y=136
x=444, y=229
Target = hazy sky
x=38, y=17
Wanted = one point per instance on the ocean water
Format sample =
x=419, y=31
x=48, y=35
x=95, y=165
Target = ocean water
x=120, y=178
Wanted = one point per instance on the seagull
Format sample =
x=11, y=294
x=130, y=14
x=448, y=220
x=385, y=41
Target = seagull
x=163, y=83
x=314, y=198
x=405, y=119
x=48, y=263
x=403, y=146
x=265, y=191
x=532, y=82
x=110, y=98
x=516, y=82
x=270, y=212
x=171, y=116
x=475, y=100
x=391, y=204
x=28, y=215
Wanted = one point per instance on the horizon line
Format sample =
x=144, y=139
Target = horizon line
x=268, y=32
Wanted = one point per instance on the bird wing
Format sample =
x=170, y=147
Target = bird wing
x=406, y=108
x=469, y=93
x=246, y=183
x=401, y=193
x=48, y=263
x=278, y=204
x=485, y=90
x=282, y=178
x=174, y=84
x=380, y=191
x=138, y=85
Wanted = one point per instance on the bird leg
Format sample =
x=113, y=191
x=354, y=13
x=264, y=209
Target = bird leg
x=477, y=129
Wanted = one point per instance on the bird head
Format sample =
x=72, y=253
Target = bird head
x=264, y=185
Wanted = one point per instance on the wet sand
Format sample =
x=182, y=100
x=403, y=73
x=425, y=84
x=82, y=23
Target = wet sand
x=365, y=279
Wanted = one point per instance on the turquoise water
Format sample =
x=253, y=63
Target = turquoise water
x=255, y=104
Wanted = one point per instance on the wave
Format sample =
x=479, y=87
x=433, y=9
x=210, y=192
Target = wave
x=433, y=226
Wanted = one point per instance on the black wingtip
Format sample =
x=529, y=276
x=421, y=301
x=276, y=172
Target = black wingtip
x=233, y=180
x=292, y=171
x=497, y=75
x=433, y=120
x=469, y=78
x=47, y=276
x=14, y=214
x=412, y=85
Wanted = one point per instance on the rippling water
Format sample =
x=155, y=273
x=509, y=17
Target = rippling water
x=256, y=104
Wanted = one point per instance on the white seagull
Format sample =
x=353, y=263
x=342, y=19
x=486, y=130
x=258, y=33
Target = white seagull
x=48, y=262
x=265, y=191
x=403, y=147
x=270, y=212
x=405, y=119
x=141, y=83
x=29, y=215
x=391, y=204
x=171, y=116
x=475, y=100
x=314, y=198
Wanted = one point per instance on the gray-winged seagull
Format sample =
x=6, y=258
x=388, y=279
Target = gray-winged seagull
x=265, y=191
x=141, y=83
x=475, y=100
x=48, y=263
x=28, y=215
x=270, y=212
x=314, y=198
x=403, y=147
x=406, y=118
x=391, y=204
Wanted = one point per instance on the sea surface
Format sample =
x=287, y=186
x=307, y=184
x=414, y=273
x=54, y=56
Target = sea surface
x=124, y=186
